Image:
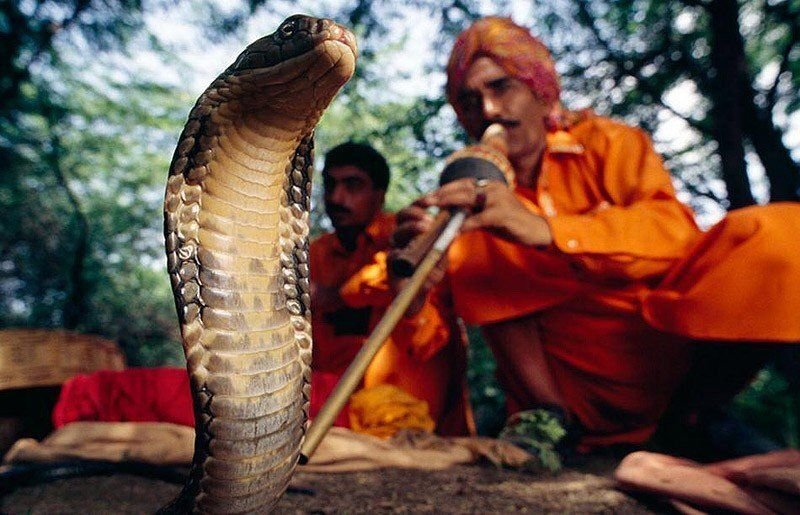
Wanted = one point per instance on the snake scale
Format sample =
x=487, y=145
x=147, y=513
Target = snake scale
x=236, y=229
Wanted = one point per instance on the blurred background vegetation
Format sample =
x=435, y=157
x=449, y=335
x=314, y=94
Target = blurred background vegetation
x=93, y=94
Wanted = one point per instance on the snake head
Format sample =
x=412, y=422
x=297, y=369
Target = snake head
x=296, y=36
x=298, y=69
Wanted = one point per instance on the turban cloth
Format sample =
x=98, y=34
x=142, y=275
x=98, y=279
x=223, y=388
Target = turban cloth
x=510, y=46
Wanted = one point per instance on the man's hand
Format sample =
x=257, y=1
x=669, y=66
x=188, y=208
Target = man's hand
x=413, y=221
x=502, y=214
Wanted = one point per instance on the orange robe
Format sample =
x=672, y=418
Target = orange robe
x=618, y=229
x=741, y=282
x=426, y=355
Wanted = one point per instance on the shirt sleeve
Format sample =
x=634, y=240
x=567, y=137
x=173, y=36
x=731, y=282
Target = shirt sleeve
x=424, y=334
x=421, y=335
x=369, y=286
x=642, y=228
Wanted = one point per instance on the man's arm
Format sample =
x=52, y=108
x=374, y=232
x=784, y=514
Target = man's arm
x=642, y=228
x=637, y=233
x=423, y=331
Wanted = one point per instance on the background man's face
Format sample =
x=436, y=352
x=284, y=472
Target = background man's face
x=489, y=94
x=351, y=200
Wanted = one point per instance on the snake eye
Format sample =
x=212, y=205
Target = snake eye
x=287, y=29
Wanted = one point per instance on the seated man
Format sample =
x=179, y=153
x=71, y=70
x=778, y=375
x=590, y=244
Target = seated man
x=568, y=271
x=425, y=358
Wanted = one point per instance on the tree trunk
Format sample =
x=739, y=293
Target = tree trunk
x=783, y=173
x=728, y=96
x=74, y=309
x=75, y=303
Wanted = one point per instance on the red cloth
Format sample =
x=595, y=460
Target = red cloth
x=132, y=395
x=322, y=385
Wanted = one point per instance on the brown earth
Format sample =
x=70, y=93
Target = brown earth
x=463, y=489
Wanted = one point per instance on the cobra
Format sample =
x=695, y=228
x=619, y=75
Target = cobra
x=236, y=229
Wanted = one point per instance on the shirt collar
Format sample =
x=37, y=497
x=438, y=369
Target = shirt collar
x=562, y=142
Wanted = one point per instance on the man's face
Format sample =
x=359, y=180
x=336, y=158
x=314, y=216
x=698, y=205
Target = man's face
x=490, y=95
x=351, y=200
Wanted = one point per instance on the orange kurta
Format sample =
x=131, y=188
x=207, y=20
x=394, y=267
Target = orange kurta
x=741, y=282
x=618, y=229
x=425, y=356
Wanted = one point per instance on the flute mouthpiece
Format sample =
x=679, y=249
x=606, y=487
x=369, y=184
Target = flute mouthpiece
x=495, y=137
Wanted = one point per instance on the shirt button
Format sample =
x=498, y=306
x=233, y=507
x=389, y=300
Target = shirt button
x=572, y=244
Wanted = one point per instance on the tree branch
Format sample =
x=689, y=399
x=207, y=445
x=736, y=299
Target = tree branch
x=695, y=3
x=588, y=20
x=772, y=93
x=75, y=301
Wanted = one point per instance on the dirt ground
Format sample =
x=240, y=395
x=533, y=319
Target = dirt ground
x=463, y=489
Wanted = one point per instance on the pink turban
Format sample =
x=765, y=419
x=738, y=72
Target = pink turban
x=513, y=48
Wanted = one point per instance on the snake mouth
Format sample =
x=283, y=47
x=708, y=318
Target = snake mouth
x=342, y=35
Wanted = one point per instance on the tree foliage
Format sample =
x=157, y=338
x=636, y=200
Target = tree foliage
x=85, y=138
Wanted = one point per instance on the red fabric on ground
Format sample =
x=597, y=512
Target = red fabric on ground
x=322, y=385
x=132, y=395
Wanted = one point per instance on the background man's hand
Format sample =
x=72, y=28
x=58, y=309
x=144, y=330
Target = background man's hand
x=413, y=221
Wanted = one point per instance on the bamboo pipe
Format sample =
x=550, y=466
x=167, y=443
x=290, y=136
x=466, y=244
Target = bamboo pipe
x=355, y=372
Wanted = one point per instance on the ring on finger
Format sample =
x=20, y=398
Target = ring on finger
x=480, y=195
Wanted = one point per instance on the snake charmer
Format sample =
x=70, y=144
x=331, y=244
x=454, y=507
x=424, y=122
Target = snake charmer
x=593, y=285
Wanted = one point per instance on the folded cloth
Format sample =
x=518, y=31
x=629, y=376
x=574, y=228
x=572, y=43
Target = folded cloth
x=157, y=443
x=383, y=410
x=761, y=484
x=342, y=450
x=131, y=395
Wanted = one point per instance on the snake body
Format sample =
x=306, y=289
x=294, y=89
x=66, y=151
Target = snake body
x=236, y=229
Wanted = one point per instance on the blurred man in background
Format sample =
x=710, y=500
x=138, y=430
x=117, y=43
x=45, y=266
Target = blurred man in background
x=417, y=379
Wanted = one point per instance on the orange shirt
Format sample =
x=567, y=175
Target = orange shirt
x=599, y=292
x=616, y=223
x=425, y=355
x=740, y=282
x=617, y=228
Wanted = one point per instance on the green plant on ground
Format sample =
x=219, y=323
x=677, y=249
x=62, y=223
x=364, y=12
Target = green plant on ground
x=538, y=431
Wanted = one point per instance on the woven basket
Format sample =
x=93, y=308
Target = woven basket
x=43, y=357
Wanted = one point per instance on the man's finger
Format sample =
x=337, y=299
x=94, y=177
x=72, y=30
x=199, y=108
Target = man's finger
x=407, y=231
x=411, y=213
x=476, y=221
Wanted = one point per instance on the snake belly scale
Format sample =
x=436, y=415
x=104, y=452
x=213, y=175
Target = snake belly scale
x=236, y=229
